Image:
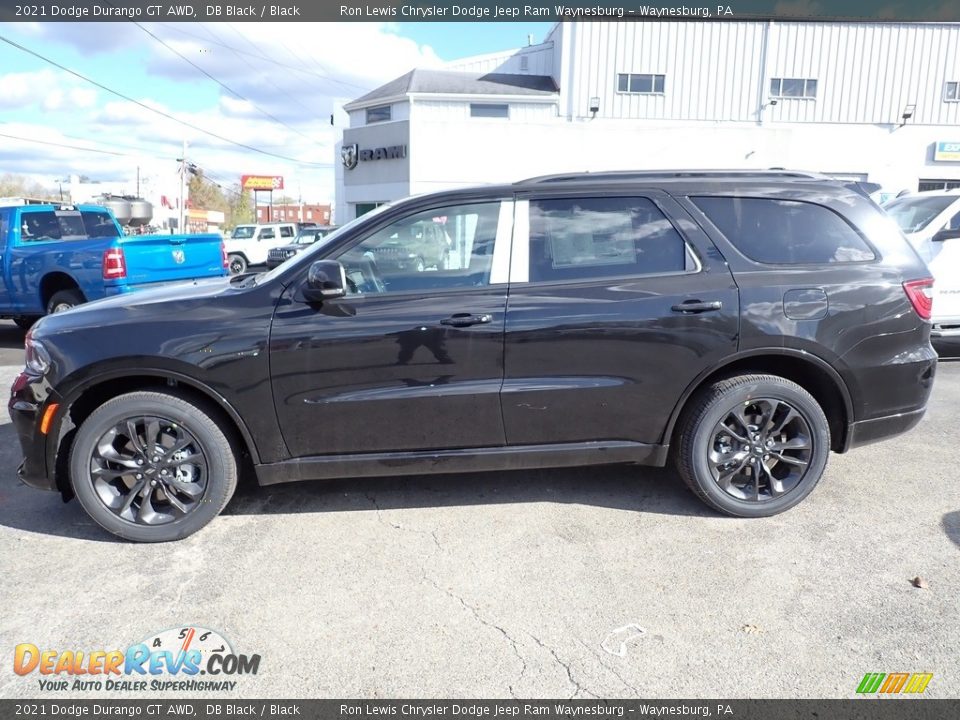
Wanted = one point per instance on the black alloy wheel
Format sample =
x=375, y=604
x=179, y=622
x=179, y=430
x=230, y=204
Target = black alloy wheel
x=752, y=445
x=153, y=466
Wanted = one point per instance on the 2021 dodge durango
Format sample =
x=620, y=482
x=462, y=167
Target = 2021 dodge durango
x=741, y=325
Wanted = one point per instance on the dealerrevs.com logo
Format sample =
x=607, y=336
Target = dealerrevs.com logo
x=189, y=659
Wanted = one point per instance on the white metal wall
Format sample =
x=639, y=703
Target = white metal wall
x=445, y=111
x=539, y=61
x=866, y=72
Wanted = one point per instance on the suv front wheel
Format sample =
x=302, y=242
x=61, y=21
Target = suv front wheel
x=753, y=445
x=152, y=466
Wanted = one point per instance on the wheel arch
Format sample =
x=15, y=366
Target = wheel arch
x=809, y=371
x=82, y=399
x=54, y=282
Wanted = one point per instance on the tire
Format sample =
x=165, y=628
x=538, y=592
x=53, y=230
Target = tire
x=419, y=265
x=237, y=264
x=25, y=322
x=789, y=452
x=64, y=300
x=109, y=471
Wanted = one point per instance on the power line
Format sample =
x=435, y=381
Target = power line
x=221, y=84
x=265, y=58
x=151, y=109
x=240, y=57
x=71, y=147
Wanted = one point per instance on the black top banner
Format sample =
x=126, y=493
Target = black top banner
x=474, y=10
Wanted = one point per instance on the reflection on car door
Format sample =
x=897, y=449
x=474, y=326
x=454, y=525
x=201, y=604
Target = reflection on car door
x=412, y=358
x=612, y=312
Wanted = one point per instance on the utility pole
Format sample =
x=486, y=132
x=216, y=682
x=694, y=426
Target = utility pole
x=183, y=187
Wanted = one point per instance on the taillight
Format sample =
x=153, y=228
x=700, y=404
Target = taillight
x=114, y=264
x=920, y=293
x=224, y=260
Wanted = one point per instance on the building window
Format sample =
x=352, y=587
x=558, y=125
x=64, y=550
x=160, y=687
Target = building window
x=489, y=110
x=646, y=84
x=793, y=88
x=524, y=63
x=381, y=113
x=926, y=185
x=951, y=92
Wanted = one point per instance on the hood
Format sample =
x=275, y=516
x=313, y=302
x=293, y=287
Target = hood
x=99, y=311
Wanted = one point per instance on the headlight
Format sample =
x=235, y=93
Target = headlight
x=37, y=358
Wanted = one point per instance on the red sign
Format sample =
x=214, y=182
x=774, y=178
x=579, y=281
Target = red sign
x=261, y=182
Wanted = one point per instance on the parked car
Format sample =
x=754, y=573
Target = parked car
x=742, y=325
x=931, y=222
x=54, y=257
x=250, y=244
x=309, y=234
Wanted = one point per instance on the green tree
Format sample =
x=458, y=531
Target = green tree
x=241, y=208
x=205, y=194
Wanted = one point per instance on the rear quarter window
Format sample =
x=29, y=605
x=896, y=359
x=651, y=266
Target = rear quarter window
x=785, y=232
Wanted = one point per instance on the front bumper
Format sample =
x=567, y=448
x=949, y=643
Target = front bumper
x=29, y=396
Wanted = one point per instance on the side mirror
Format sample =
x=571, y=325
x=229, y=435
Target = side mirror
x=946, y=235
x=326, y=280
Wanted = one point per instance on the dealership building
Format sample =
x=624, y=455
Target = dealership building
x=878, y=102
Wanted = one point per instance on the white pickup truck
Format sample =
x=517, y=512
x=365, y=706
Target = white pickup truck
x=250, y=244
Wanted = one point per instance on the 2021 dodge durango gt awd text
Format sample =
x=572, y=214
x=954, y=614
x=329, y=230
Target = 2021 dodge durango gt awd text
x=742, y=325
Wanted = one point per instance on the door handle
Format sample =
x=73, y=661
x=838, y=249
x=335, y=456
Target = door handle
x=466, y=320
x=695, y=306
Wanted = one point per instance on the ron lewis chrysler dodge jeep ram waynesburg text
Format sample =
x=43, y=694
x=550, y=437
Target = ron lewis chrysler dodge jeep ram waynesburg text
x=740, y=324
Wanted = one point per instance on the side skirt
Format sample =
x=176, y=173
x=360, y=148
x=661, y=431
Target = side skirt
x=425, y=462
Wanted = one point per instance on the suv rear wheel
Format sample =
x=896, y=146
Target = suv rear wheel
x=152, y=467
x=753, y=445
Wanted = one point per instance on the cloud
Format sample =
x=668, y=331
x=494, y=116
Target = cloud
x=284, y=81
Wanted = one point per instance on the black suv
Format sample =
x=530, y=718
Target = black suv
x=741, y=324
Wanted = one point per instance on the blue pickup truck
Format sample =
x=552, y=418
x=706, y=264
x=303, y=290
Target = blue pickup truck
x=53, y=257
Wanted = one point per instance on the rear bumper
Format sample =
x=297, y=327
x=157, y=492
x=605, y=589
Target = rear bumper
x=871, y=431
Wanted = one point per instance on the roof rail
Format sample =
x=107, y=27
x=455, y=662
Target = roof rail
x=674, y=175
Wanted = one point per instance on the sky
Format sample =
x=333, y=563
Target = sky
x=270, y=87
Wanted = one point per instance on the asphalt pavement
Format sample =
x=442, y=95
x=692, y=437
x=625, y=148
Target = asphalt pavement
x=609, y=582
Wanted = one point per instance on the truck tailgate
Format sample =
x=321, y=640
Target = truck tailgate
x=163, y=258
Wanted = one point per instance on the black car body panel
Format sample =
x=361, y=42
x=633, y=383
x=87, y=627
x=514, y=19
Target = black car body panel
x=553, y=373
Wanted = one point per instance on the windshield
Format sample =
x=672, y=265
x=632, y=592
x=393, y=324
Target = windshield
x=308, y=237
x=326, y=240
x=243, y=232
x=913, y=214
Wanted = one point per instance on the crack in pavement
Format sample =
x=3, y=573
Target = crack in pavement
x=483, y=621
x=614, y=671
x=389, y=523
x=565, y=666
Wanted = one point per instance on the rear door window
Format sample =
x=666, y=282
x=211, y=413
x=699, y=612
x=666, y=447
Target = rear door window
x=286, y=231
x=587, y=238
x=785, y=232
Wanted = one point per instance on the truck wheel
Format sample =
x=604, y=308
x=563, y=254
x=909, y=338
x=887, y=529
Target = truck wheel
x=152, y=467
x=64, y=300
x=25, y=322
x=753, y=445
x=237, y=263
